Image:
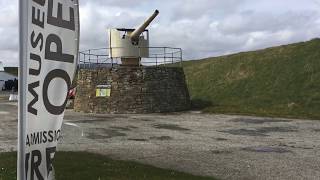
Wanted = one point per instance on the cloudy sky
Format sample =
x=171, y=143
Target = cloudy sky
x=202, y=28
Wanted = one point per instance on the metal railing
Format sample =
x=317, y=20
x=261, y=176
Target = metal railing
x=158, y=56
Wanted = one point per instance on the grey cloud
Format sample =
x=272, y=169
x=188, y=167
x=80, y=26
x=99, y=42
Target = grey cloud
x=116, y=3
x=190, y=9
x=211, y=28
x=251, y=21
x=95, y=22
x=9, y=32
x=201, y=27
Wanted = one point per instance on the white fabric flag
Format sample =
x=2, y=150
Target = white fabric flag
x=49, y=44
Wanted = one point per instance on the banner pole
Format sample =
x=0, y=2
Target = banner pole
x=23, y=31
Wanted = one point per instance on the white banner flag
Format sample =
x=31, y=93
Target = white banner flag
x=49, y=33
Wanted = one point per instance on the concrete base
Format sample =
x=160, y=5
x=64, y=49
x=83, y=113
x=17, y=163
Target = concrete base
x=130, y=61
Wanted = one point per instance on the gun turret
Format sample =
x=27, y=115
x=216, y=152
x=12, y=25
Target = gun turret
x=129, y=44
x=137, y=32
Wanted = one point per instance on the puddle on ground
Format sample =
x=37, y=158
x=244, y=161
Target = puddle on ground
x=132, y=127
x=143, y=119
x=161, y=138
x=263, y=131
x=221, y=152
x=93, y=119
x=258, y=121
x=244, y=132
x=139, y=140
x=266, y=149
x=96, y=136
x=277, y=129
x=88, y=121
x=121, y=128
x=101, y=133
x=170, y=127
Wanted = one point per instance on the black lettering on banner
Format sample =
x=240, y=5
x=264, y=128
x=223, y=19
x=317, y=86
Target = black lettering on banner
x=57, y=55
x=50, y=156
x=35, y=139
x=40, y=2
x=57, y=135
x=31, y=88
x=28, y=141
x=50, y=133
x=27, y=164
x=35, y=72
x=57, y=73
x=35, y=43
x=37, y=17
x=45, y=139
x=35, y=164
x=59, y=21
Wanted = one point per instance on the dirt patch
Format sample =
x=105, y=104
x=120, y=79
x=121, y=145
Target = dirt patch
x=121, y=128
x=277, y=129
x=221, y=139
x=266, y=149
x=96, y=136
x=92, y=118
x=139, y=140
x=221, y=152
x=258, y=121
x=263, y=131
x=244, y=132
x=101, y=133
x=170, y=127
x=88, y=121
x=143, y=119
x=132, y=127
x=161, y=138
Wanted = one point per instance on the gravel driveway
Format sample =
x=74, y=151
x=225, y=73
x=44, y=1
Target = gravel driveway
x=227, y=147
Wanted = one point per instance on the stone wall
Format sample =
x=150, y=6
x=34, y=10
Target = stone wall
x=133, y=90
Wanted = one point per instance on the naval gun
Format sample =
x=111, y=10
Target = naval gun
x=130, y=44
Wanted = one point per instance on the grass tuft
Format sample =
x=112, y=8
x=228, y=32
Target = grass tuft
x=88, y=166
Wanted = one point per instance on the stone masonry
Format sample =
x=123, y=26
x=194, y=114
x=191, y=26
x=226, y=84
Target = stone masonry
x=133, y=90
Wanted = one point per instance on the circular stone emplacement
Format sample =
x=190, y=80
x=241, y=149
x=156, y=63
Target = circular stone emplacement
x=132, y=90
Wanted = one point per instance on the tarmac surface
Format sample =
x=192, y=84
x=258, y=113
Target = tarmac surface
x=224, y=146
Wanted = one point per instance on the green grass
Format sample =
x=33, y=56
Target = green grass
x=87, y=166
x=281, y=81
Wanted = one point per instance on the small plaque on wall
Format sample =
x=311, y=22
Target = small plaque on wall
x=103, y=91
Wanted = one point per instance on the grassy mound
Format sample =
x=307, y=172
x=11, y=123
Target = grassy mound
x=281, y=81
x=86, y=166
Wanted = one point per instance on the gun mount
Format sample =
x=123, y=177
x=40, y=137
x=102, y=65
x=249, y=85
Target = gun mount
x=130, y=44
x=137, y=32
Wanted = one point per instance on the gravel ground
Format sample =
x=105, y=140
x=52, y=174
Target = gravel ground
x=227, y=147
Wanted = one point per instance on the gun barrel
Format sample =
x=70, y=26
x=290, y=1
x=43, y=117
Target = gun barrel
x=136, y=33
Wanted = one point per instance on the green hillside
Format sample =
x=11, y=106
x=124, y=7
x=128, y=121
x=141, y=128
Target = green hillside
x=281, y=81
